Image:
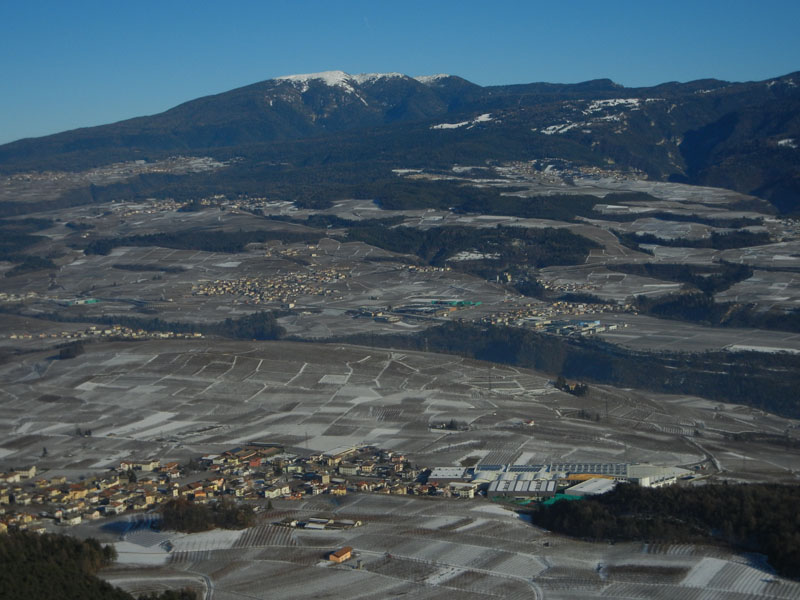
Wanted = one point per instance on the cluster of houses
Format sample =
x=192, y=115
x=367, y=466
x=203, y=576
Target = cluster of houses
x=253, y=204
x=25, y=502
x=113, y=172
x=114, y=331
x=425, y=269
x=155, y=206
x=21, y=297
x=570, y=286
x=279, y=288
x=557, y=170
x=543, y=316
x=265, y=471
x=253, y=472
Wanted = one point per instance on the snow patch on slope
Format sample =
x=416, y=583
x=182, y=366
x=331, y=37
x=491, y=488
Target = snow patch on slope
x=338, y=79
x=474, y=255
x=331, y=78
x=596, y=105
x=429, y=79
x=484, y=118
x=600, y=111
x=788, y=143
x=787, y=82
x=562, y=128
x=362, y=78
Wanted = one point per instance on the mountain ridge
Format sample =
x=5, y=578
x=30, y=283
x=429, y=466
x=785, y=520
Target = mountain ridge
x=739, y=135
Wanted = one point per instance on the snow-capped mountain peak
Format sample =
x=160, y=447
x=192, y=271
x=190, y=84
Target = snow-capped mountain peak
x=362, y=78
x=429, y=79
x=338, y=79
x=347, y=81
x=329, y=78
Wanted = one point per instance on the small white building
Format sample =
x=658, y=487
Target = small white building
x=460, y=489
x=348, y=469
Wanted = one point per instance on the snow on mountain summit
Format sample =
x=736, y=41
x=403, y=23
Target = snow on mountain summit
x=372, y=77
x=346, y=80
x=429, y=79
x=330, y=78
x=338, y=79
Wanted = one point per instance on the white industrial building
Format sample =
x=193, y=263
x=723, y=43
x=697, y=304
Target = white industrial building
x=443, y=475
x=529, y=481
x=522, y=486
x=591, y=487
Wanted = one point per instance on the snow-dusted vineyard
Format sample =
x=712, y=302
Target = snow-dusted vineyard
x=177, y=399
x=434, y=549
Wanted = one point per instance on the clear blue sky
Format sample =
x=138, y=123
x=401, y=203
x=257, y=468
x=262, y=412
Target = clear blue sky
x=67, y=64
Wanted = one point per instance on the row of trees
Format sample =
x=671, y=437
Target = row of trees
x=755, y=518
x=325, y=221
x=262, y=325
x=198, y=239
x=144, y=267
x=183, y=515
x=47, y=566
x=709, y=279
x=701, y=308
x=70, y=350
x=576, y=389
x=511, y=245
x=741, y=238
x=17, y=236
x=697, y=304
x=28, y=264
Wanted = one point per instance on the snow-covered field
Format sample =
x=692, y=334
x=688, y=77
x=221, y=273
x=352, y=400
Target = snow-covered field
x=434, y=549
